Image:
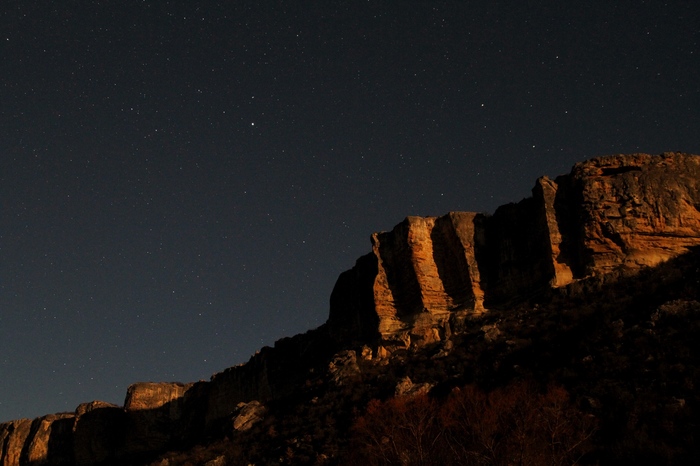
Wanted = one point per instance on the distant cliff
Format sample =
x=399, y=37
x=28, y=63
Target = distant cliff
x=418, y=285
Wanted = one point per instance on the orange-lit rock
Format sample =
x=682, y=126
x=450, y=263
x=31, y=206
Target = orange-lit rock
x=49, y=442
x=429, y=272
x=545, y=192
x=150, y=396
x=13, y=436
x=426, y=272
x=247, y=415
x=154, y=415
x=639, y=209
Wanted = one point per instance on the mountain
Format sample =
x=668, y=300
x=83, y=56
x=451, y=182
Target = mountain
x=590, y=285
x=428, y=273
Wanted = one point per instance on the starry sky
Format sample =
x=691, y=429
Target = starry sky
x=181, y=182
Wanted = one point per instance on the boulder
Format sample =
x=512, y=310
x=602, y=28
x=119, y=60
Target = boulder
x=247, y=415
x=405, y=387
x=344, y=367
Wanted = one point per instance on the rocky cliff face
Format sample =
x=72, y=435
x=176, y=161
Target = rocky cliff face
x=418, y=285
x=428, y=273
x=637, y=210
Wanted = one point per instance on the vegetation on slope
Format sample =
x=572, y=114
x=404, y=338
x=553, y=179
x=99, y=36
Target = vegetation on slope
x=613, y=358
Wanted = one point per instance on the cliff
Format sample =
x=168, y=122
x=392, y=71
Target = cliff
x=426, y=275
x=420, y=284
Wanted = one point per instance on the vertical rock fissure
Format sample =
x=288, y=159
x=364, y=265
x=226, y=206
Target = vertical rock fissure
x=401, y=277
x=545, y=192
x=5, y=432
x=569, y=214
x=450, y=259
x=24, y=456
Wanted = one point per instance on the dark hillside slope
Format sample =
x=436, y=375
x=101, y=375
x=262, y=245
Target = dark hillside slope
x=623, y=346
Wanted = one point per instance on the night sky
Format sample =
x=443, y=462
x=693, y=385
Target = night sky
x=181, y=182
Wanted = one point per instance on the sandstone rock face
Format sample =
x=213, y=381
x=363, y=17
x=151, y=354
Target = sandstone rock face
x=154, y=412
x=150, y=396
x=13, y=436
x=238, y=384
x=50, y=440
x=545, y=194
x=419, y=275
x=425, y=275
x=270, y=374
x=155, y=416
x=98, y=432
x=44, y=441
x=638, y=209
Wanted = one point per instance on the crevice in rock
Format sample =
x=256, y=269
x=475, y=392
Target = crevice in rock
x=612, y=171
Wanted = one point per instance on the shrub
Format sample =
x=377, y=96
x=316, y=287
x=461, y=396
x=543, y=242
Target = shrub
x=513, y=425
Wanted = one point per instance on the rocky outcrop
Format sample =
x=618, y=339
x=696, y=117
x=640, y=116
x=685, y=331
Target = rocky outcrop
x=44, y=441
x=270, y=374
x=419, y=284
x=13, y=436
x=424, y=275
x=406, y=387
x=344, y=368
x=98, y=432
x=49, y=441
x=428, y=273
x=418, y=276
x=154, y=414
x=247, y=415
x=637, y=210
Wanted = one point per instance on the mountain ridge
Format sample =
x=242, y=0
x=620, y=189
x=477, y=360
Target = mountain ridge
x=608, y=212
x=422, y=283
